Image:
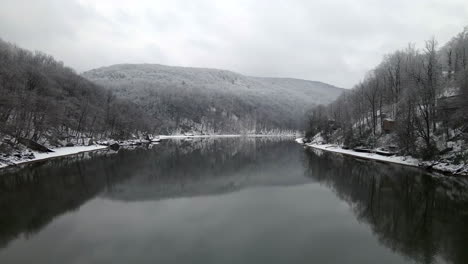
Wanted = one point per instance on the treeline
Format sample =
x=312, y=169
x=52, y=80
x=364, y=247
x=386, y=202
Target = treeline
x=41, y=99
x=418, y=96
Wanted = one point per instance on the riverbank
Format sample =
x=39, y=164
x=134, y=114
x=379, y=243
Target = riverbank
x=437, y=166
x=12, y=160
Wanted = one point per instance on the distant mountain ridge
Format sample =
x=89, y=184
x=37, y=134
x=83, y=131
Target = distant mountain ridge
x=214, y=101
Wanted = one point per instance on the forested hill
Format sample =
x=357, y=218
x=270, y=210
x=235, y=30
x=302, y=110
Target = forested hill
x=415, y=101
x=42, y=100
x=201, y=100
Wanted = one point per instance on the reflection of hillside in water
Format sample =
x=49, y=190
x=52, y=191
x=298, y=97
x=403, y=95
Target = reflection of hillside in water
x=421, y=216
x=32, y=196
x=212, y=166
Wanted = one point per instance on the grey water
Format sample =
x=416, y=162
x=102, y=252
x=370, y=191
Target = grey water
x=242, y=200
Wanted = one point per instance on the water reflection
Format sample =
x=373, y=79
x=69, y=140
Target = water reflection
x=251, y=200
x=212, y=166
x=31, y=197
x=415, y=214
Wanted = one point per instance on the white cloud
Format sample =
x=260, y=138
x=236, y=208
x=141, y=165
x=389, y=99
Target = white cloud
x=326, y=40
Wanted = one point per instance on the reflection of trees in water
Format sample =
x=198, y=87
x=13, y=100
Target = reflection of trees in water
x=418, y=215
x=32, y=196
x=212, y=166
x=233, y=145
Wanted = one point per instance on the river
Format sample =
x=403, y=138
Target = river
x=232, y=200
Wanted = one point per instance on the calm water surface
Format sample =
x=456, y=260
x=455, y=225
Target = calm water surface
x=229, y=201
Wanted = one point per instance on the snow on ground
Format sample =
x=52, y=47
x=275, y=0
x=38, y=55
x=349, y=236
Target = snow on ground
x=410, y=161
x=452, y=168
x=64, y=151
x=58, y=152
x=461, y=169
x=299, y=140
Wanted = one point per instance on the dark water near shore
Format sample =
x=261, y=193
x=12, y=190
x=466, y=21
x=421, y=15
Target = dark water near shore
x=229, y=201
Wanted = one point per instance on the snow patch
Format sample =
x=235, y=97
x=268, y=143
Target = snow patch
x=300, y=140
x=58, y=152
x=438, y=166
x=404, y=160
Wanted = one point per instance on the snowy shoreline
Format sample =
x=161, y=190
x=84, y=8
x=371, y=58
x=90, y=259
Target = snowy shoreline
x=401, y=160
x=58, y=152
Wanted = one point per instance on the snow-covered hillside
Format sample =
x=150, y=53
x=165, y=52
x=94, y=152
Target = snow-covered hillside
x=211, y=100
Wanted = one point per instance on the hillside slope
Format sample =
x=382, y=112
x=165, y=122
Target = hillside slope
x=213, y=101
x=44, y=101
x=413, y=103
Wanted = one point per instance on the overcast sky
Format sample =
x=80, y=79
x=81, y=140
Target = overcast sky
x=325, y=40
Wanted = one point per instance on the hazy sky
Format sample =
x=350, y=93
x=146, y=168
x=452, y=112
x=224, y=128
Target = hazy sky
x=325, y=40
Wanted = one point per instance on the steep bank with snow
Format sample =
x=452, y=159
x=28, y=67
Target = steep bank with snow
x=31, y=156
x=414, y=102
x=443, y=166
